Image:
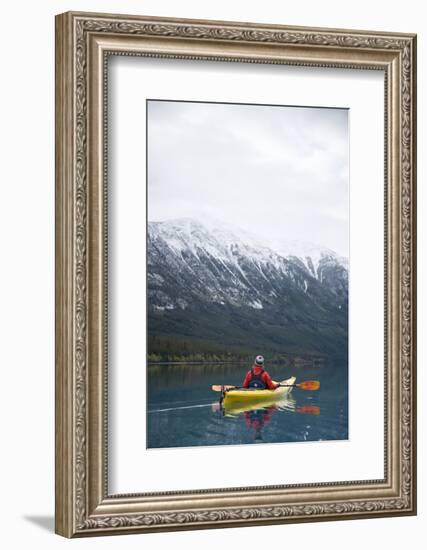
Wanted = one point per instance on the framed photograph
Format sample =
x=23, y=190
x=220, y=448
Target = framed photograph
x=235, y=274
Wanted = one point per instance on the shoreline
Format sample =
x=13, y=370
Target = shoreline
x=291, y=363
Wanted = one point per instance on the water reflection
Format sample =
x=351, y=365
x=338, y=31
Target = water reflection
x=183, y=411
x=257, y=416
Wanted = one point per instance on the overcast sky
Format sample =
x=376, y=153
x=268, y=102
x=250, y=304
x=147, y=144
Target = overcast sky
x=281, y=173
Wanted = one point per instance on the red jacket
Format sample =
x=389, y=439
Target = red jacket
x=265, y=377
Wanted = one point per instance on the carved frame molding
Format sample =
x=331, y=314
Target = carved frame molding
x=83, y=43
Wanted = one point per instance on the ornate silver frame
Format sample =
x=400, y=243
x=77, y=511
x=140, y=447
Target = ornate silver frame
x=83, y=505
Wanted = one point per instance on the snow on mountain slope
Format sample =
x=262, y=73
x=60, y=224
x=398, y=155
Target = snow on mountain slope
x=222, y=241
x=222, y=287
x=190, y=261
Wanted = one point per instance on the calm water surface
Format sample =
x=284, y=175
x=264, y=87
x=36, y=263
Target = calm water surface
x=183, y=411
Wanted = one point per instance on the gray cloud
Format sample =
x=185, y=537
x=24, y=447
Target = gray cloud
x=279, y=172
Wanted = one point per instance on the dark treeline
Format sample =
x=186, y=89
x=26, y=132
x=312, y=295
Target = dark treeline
x=169, y=349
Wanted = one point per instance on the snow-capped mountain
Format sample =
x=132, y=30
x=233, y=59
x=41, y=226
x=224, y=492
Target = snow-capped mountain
x=224, y=277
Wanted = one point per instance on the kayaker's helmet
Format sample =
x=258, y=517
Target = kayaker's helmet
x=259, y=360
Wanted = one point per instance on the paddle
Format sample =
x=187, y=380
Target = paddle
x=311, y=385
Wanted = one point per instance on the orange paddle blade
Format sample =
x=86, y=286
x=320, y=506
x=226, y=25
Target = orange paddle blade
x=309, y=385
x=309, y=409
x=219, y=387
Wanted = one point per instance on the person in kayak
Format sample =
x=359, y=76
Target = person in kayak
x=258, y=378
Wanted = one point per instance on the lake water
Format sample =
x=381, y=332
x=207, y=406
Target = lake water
x=183, y=410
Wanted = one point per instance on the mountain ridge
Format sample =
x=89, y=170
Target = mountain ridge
x=216, y=285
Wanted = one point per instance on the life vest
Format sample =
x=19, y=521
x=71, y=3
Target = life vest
x=256, y=381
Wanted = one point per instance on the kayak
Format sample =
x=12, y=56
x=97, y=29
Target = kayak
x=242, y=397
x=287, y=402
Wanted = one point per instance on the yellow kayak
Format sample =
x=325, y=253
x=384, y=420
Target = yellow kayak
x=287, y=402
x=263, y=398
